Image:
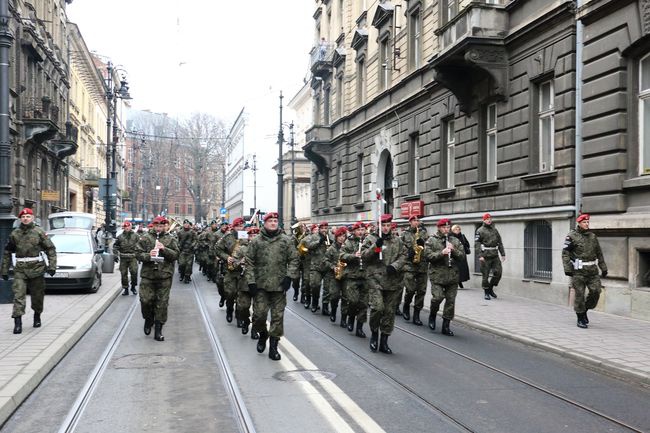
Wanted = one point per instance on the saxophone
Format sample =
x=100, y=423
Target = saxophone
x=235, y=263
x=417, y=248
x=338, y=269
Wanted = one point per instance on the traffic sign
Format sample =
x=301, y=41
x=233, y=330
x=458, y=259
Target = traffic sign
x=223, y=211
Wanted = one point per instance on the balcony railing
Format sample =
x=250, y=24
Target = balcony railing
x=41, y=108
x=90, y=174
x=479, y=20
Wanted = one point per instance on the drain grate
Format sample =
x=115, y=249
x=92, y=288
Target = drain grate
x=304, y=375
x=148, y=361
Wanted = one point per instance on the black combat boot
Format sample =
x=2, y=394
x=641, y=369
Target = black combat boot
x=383, y=344
x=326, y=309
x=134, y=291
x=255, y=335
x=314, y=304
x=230, y=309
x=273, y=349
x=261, y=343
x=18, y=325
x=187, y=279
x=37, y=320
x=581, y=321
x=244, y=326
x=360, y=332
x=486, y=296
x=148, y=323
x=491, y=292
x=158, y=331
x=239, y=323
x=344, y=321
x=125, y=291
x=334, y=307
x=585, y=318
x=350, y=323
x=222, y=301
x=445, y=328
x=398, y=312
x=432, y=321
x=307, y=302
x=295, y=295
x=303, y=297
x=374, y=336
x=182, y=277
x=416, y=317
x=406, y=311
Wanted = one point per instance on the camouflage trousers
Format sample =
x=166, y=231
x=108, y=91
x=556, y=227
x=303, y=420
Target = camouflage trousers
x=232, y=283
x=336, y=294
x=243, y=311
x=580, y=282
x=296, y=281
x=491, y=264
x=154, y=298
x=382, y=309
x=447, y=293
x=275, y=302
x=356, y=292
x=185, y=264
x=36, y=291
x=315, y=280
x=129, y=265
x=416, y=286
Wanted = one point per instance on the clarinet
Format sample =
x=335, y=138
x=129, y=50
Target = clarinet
x=447, y=245
x=360, y=259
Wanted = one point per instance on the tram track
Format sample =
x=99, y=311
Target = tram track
x=442, y=412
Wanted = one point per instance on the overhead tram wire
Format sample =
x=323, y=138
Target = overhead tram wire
x=171, y=137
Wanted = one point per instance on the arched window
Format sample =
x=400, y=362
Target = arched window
x=538, y=253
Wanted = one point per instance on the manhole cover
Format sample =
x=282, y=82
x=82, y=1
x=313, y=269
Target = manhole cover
x=304, y=375
x=148, y=361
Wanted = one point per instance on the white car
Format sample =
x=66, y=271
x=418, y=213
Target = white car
x=79, y=260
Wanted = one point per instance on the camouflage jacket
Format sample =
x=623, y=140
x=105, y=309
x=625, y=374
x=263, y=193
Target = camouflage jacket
x=487, y=236
x=442, y=270
x=28, y=241
x=269, y=258
x=225, y=245
x=393, y=253
x=408, y=237
x=187, y=241
x=347, y=254
x=126, y=243
x=332, y=256
x=154, y=270
x=211, y=239
x=317, y=248
x=583, y=245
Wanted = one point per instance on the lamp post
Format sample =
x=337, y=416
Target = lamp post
x=254, y=168
x=293, y=178
x=280, y=172
x=119, y=93
x=107, y=192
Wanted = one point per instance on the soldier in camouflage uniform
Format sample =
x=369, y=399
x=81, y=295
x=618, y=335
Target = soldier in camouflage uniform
x=187, y=241
x=27, y=242
x=271, y=264
x=491, y=253
x=331, y=262
x=211, y=238
x=226, y=250
x=581, y=258
x=305, y=294
x=442, y=251
x=415, y=274
x=318, y=244
x=157, y=251
x=354, y=302
x=202, y=250
x=243, y=309
x=384, y=258
x=124, y=246
x=300, y=232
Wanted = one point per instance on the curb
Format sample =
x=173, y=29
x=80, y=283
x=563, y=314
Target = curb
x=23, y=384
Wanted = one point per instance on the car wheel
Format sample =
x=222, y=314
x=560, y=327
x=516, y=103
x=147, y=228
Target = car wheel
x=97, y=282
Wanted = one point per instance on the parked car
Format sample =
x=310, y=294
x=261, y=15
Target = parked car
x=60, y=220
x=79, y=260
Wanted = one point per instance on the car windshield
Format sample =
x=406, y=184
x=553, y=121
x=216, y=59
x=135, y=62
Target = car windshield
x=72, y=244
x=71, y=221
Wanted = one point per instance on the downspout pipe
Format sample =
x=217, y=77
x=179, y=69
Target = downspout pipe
x=578, y=119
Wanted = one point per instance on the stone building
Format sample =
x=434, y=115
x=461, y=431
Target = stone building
x=462, y=107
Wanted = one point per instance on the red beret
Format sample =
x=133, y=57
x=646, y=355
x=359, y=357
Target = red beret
x=582, y=217
x=340, y=231
x=486, y=216
x=126, y=224
x=444, y=222
x=26, y=211
x=160, y=220
x=238, y=221
x=252, y=230
x=150, y=225
x=413, y=217
x=313, y=226
x=358, y=225
x=393, y=225
x=323, y=224
x=386, y=218
x=271, y=215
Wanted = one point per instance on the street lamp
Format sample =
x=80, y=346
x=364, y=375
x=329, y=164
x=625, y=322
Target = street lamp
x=280, y=172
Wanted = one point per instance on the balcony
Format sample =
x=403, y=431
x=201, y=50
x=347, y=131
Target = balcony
x=65, y=144
x=472, y=50
x=321, y=57
x=318, y=147
x=90, y=176
x=41, y=119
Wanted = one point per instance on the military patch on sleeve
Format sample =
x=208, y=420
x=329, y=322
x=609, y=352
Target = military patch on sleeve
x=568, y=243
x=477, y=237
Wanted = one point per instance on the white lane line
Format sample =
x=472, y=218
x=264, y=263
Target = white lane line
x=337, y=394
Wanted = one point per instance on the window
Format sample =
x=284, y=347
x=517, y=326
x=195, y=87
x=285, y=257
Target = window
x=538, y=254
x=339, y=179
x=644, y=116
x=190, y=209
x=415, y=41
x=326, y=186
x=361, y=82
x=177, y=209
x=413, y=163
x=384, y=64
x=326, y=106
x=449, y=153
x=339, y=95
x=360, y=177
x=449, y=10
x=546, y=125
x=317, y=109
x=340, y=15
x=491, y=143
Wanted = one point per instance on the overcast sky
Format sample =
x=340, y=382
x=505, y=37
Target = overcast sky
x=212, y=56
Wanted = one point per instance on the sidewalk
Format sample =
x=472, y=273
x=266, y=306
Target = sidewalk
x=26, y=359
x=617, y=344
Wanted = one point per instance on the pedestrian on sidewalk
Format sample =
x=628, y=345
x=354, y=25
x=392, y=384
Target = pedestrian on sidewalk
x=271, y=265
x=463, y=267
x=28, y=242
x=581, y=258
x=158, y=251
x=443, y=252
x=489, y=247
x=125, y=248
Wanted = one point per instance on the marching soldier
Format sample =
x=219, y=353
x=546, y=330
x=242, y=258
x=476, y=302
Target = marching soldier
x=271, y=264
x=27, y=242
x=581, y=258
x=318, y=245
x=212, y=236
x=384, y=258
x=415, y=270
x=305, y=295
x=491, y=253
x=187, y=240
x=202, y=250
x=299, y=233
x=442, y=251
x=157, y=251
x=354, y=296
x=336, y=269
x=226, y=250
x=243, y=309
x=125, y=246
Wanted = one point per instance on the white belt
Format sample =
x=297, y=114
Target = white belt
x=484, y=248
x=29, y=259
x=579, y=264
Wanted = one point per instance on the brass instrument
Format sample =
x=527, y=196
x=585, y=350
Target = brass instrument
x=338, y=269
x=302, y=249
x=417, y=248
x=300, y=234
x=231, y=266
